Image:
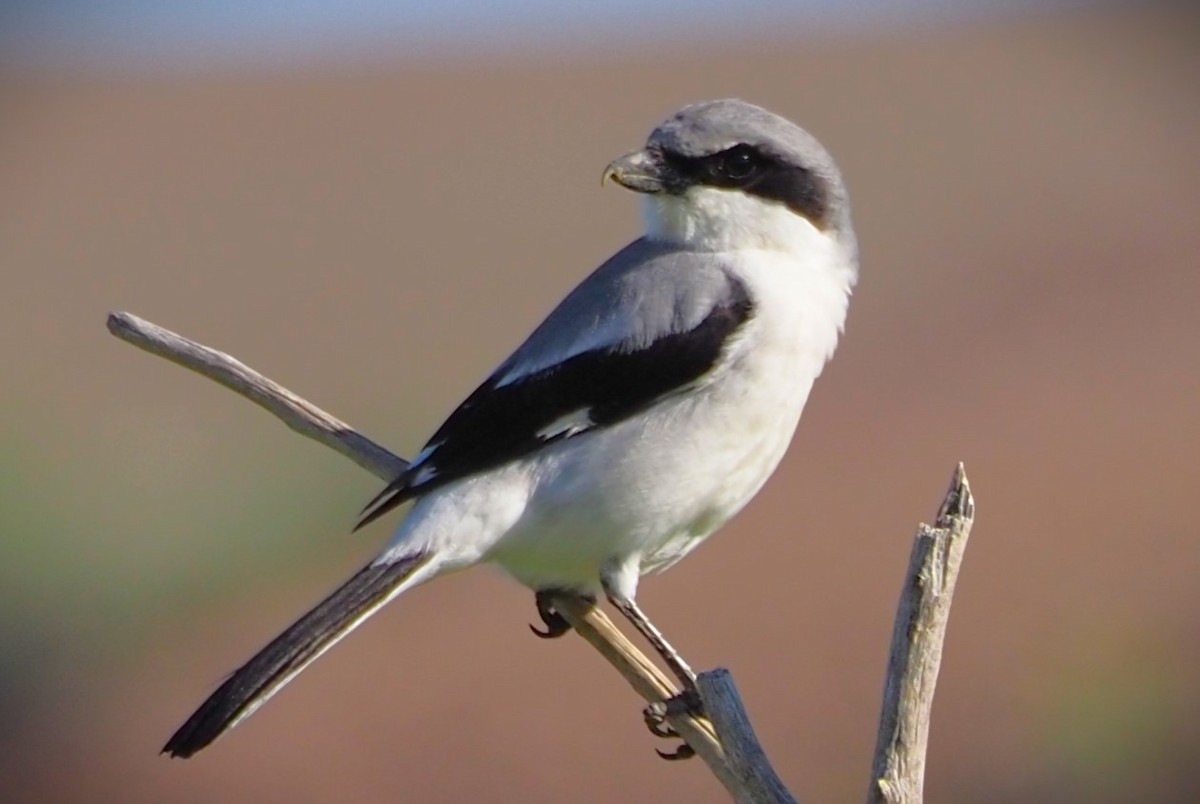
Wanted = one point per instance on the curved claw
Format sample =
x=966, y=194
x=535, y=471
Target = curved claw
x=553, y=630
x=657, y=723
x=556, y=624
x=662, y=730
x=655, y=717
x=684, y=751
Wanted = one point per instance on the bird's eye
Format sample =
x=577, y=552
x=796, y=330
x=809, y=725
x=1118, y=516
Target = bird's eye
x=738, y=163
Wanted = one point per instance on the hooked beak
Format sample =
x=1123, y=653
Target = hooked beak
x=639, y=171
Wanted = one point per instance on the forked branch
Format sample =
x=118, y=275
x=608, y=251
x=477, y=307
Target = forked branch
x=725, y=740
x=589, y=621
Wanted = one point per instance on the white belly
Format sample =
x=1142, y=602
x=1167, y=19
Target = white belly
x=644, y=492
x=655, y=486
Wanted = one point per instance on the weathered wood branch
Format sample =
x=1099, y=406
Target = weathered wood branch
x=726, y=743
x=723, y=704
x=898, y=770
x=589, y=621
x=300, y=415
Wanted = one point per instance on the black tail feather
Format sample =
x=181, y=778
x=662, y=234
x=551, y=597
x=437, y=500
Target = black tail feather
x=273, y=666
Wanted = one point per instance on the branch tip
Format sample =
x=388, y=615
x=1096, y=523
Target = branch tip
x=959, y=503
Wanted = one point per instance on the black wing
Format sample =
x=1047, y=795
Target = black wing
x=502, y=421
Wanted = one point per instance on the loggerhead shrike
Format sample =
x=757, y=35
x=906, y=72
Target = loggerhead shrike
x=642, y=414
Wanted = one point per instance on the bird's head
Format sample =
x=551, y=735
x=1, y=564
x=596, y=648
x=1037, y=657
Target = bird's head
x=727, y=175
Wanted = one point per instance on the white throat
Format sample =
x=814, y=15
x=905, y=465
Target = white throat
x=784, y=257
x=712, y=219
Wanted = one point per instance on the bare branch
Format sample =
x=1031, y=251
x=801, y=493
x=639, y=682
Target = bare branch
x=728, y=744
x=307, y=419
x=898, y=771
x=591, y=623
x=303, y=417
x=756, y=777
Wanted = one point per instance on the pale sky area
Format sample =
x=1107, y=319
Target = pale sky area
x=157, y=35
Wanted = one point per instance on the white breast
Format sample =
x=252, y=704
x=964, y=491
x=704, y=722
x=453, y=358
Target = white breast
x=658, y=484
x=652, y=487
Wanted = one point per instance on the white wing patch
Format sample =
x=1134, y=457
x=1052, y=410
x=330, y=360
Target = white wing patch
x=424, y=473
x=567, y=425
x=423, y=476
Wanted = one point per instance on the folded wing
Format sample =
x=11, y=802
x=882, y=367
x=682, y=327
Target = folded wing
x=608, y=370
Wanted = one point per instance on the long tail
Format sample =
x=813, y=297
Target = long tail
x=275, y=665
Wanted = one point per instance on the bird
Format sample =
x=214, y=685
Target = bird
x=640, y=416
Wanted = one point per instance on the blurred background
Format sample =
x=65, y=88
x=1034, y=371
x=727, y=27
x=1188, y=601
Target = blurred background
x=372, y=203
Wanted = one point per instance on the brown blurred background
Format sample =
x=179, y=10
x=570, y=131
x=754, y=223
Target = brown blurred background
x=378, y=236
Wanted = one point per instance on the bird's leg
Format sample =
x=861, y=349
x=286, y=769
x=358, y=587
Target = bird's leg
x=688, y=700
x=630, y=610
x=556, y=624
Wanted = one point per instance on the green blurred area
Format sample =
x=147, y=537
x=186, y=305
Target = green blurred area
x=110, y=541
